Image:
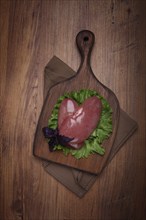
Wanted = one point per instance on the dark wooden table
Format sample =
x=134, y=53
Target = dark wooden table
x=32, y=31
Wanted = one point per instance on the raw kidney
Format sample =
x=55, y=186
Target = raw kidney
x=79, y=122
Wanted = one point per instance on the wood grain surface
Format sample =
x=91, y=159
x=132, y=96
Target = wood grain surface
x=31, y=32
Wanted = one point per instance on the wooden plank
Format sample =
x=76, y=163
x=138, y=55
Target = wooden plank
x=31, y=33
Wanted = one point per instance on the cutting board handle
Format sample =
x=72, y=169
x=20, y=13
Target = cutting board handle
x=85, y=41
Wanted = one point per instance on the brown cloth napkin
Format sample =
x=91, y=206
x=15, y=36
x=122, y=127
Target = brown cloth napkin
x=80, y=182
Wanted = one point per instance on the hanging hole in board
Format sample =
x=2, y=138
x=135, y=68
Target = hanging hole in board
x=86, y=39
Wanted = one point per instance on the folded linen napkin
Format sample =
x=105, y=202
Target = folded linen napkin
x=80, y=182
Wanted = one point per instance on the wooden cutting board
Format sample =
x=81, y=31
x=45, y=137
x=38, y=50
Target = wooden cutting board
x=83, y=79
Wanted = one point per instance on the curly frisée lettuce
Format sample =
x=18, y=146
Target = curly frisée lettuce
x=94, y=143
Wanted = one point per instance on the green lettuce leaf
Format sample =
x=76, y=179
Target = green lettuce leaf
x=104, y=129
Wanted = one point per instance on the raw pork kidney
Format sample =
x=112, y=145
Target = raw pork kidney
x=78, y=122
